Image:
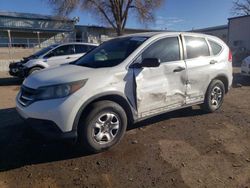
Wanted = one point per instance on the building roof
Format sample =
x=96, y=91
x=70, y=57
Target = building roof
x=31, y=16
x=237, y=17
x=34, y=22
x=220, y=27
x=126, y=29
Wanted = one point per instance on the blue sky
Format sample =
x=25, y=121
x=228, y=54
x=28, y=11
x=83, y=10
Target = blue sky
x=173, y=15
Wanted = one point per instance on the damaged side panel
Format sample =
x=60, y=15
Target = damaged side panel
x=124, y=81
x=200, y=73
x=160, y=89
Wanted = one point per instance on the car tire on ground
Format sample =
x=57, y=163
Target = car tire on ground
x=33, y=70
x=214, y=96
x=103, y=127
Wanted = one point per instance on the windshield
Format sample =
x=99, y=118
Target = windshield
x=44, y=50
x=111, y=53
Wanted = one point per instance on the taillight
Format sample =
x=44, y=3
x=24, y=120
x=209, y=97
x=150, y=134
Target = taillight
x=230, y=56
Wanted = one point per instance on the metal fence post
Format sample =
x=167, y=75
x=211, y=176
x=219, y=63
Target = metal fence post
x=38, y=37
x=10, y=44
x=28, y=42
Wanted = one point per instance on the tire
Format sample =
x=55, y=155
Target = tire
x=33, y=70
x=214, y=96
x=103, y=127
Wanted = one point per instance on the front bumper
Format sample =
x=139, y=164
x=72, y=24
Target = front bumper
x=54, y=118
x=49, y=129
x=18, y=70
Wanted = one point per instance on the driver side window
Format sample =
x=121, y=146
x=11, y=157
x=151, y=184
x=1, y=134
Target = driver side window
x=62, y=50
x=165, y=50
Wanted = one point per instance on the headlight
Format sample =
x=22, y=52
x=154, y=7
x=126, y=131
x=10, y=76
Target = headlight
x=59, y=91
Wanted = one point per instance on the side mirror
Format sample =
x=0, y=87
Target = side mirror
x=147, y=62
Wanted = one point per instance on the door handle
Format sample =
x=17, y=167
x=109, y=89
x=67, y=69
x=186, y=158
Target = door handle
x=179, y=69
x=213, y=62
x=67, y=57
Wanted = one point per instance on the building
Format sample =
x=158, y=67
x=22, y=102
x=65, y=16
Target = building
x=35, y=30
x=218, y=31
x=30, y=30
x=239, y=33
x=98, y=34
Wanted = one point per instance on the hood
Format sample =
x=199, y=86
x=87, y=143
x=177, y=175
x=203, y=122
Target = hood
x=30, y=57
x=30, y=63
x=59, y=75
x=26, y=59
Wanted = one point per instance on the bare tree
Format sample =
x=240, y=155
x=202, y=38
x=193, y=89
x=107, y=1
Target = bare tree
x=241, y=7
x=114, y=12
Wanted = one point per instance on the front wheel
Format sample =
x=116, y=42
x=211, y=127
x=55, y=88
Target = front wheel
x=103, y=127
x=214, y=96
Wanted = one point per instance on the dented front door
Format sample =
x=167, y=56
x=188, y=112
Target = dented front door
x=161, y=88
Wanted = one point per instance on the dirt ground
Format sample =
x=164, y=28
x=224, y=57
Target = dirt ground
x=186, y=148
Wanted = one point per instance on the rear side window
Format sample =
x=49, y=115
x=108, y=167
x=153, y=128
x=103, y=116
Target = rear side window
x=216, y=48
x=91, y=47
x=165, y=50
x=196, y=47
x=62, y=50
x=81, y=49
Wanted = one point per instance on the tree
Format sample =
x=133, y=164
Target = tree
x=241, y=7
x=113, y=12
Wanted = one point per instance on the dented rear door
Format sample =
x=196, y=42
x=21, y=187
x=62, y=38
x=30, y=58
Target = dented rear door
x=199, y=67
x=161, y=88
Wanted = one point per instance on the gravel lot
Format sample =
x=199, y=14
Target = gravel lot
x=186, y=148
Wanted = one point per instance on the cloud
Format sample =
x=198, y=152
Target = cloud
x=166, y=23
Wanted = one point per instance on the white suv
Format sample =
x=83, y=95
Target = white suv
x=50, y=56
x=123, y=81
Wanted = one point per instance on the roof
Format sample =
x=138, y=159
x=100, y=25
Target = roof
x=31, y=16
x=166, y=33
x=237, y=17
x=220, y=27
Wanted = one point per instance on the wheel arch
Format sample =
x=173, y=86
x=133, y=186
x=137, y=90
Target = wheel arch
x=224, y=79
x=110, y=96
x=37, y=66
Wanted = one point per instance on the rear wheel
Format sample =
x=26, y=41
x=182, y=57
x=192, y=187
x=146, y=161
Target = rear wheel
x=214, y=96
x=103, y=127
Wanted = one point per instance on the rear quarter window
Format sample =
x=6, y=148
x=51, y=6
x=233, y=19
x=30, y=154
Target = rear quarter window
x=196, y=47
x=91, y=47
x=216, y=48
x=81, y=49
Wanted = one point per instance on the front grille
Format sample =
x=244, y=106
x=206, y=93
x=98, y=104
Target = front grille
x=27, y=96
